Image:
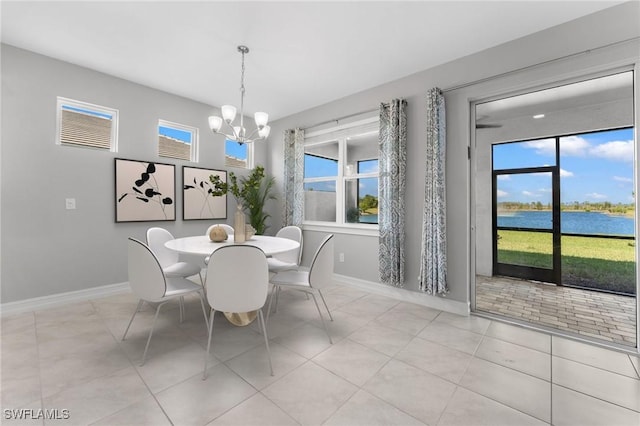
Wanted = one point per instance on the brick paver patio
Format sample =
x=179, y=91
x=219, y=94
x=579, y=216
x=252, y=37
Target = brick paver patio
x=593, y=314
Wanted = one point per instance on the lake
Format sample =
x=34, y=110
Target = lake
x=571, y=222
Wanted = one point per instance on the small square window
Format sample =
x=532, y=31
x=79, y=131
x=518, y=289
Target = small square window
x=238, y=155
x=177, y=141
x=86, y=125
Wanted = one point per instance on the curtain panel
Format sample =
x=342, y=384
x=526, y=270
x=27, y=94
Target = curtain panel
x=293, y=177
x=392, y=151
x=433, y=258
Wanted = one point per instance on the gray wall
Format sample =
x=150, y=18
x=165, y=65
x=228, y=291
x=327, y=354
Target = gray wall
x=45, y=248
x=612, y=25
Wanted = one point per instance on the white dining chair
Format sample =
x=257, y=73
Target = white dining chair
x=169, y=259
x=288, y=260
x=150, y=283
x=237, y=281
x=319, y=276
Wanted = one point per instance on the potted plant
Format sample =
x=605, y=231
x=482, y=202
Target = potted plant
x=251, y=193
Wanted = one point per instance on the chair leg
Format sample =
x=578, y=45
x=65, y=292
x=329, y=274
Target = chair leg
x=275, y=308
x=266, y=339
x=324, y=324
x=204, y=310
x=146, y=348
x=325, y=305
x=181, y=305
x=206, y=357
x=275, y=289
x=134, y=315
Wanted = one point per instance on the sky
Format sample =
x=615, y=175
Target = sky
x=178, y=134
x=324, y=167
x=594, y=167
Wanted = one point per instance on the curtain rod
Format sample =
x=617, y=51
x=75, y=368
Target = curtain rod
x=337, y=120
x=528, y=67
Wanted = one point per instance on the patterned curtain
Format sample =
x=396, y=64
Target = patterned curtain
x=392, y=151
x=293, y=176
x=433, y=259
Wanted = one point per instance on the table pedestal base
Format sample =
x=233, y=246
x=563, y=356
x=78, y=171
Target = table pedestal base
x=241, y=319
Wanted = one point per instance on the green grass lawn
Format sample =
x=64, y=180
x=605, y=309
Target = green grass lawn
x=603, y=263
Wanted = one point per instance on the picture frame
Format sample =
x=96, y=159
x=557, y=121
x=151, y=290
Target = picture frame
x=145, y=191
x=197, y=202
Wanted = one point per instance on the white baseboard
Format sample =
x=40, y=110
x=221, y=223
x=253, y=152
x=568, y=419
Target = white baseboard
x=435, y=302
x=61, y=299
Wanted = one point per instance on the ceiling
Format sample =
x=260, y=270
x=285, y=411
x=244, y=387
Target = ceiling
x=302, y=54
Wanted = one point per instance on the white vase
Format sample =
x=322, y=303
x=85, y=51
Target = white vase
x=238, y=225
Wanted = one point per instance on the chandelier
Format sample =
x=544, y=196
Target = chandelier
x=239, y=133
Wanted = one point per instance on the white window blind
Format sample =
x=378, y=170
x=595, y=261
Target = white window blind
x=86, y=125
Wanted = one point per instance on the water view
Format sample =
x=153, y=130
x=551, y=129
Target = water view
x=588, y=223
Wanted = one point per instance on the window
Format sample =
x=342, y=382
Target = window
x=86, y=125
x=341, y=175
x=238, y=155
x=177, y=141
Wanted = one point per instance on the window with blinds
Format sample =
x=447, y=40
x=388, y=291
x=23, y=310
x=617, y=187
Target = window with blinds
x=86, y=125
x=177, y=141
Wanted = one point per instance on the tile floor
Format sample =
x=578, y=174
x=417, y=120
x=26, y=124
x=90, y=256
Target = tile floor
x=392, y=363
x=592, y=314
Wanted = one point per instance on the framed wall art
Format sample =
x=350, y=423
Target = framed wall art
x=197, y=199
x=144, y=191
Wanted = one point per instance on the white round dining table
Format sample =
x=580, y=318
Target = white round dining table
x=201, y=244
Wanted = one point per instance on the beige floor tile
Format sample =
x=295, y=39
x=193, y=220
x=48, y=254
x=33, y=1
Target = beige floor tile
x=380, y=338
x=364, y=409
x=514, y=356
x=69, y=370
x=517, y=390
x=635, y=360
x=472, y=323
x=352, y=361
x=26, y=415
x=144, y=412
x=571, y=408
x=611, y=387
x=197, y=402
x=594, y=356
x=520, y=336
x=369, y=306
x=165, y=370
x=310, y=394
x=94, y=400
x=255, y=411
x=306, y=340
x=405, y=321
x=469, y=408
x=343, y=324
x=416, y=392
x=455, y=338
x=230, y=341
x=442, y=361
x=253, y=365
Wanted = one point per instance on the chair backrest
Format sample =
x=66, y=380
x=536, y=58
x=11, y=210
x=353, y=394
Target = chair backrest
x=321, y=270
x=292, y=233
x=156, y=237
x=145, y=272
x=237, y=279
x=228, y=229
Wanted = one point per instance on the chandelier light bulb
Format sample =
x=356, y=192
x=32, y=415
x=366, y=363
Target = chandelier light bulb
x=261, y=118
x=215, y=123
x=264, y=132
x=228, y=113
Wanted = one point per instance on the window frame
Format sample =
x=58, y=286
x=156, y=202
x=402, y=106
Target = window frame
x=73, y=103
x=341, y=134
x=250, y=155
x=195, y=139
